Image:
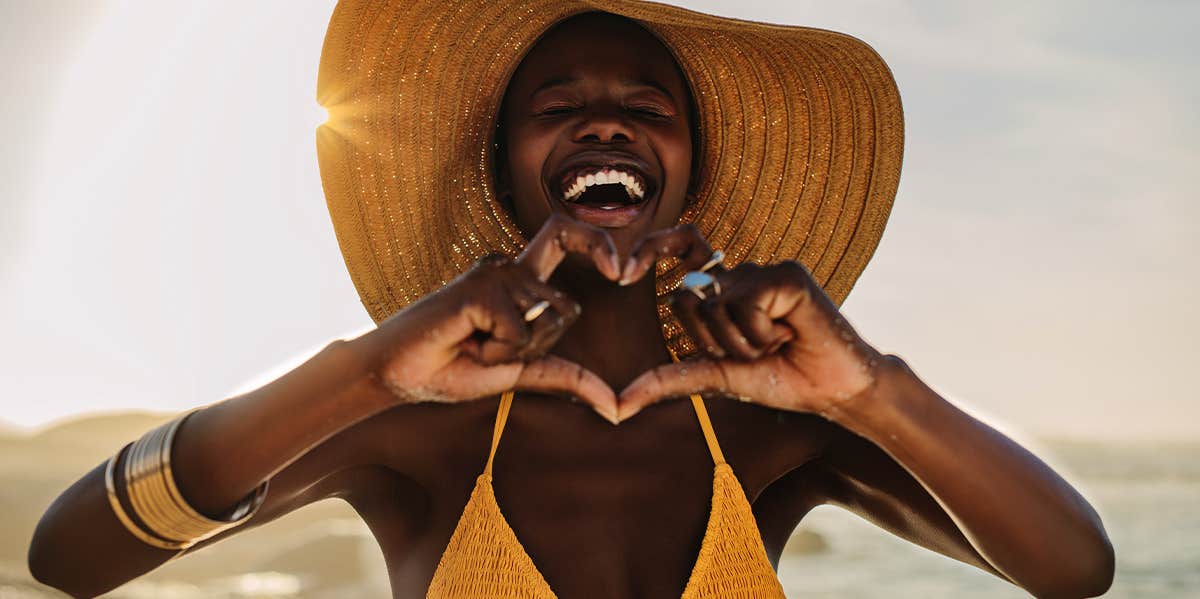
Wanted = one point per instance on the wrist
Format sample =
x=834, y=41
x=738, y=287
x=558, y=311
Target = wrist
x=888, y=395
x=371, y=357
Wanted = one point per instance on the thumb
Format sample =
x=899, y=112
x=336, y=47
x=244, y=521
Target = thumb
x=551, y=374
x=673, y=380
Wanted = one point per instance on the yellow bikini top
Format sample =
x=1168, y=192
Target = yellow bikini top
x=484, y=559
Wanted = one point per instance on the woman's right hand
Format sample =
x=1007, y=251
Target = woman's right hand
x=470, y=340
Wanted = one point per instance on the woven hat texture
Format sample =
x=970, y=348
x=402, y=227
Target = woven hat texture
x=801, y=137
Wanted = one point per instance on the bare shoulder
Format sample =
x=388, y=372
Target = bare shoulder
x=764, y=445
x=776, y=456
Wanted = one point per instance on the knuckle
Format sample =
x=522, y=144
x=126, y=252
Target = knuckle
x=747, y=268
x=793, y=267
x=571, y=315
x=492, y=260
x=683, y=299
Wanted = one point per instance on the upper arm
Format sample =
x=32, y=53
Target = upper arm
x=859, y=476
x=336, y=467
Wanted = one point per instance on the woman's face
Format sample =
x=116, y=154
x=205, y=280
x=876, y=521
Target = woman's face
x=597, y=100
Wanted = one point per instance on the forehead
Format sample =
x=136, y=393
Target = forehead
x=598, y=44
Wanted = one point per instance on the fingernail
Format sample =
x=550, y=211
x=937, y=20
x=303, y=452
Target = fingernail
x=612, y=418
x=627, y=272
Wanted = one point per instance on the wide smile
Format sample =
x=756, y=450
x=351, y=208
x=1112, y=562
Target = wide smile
x=605, y=189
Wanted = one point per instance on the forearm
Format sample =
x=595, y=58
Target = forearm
x=1022, y=517
x=221, y=454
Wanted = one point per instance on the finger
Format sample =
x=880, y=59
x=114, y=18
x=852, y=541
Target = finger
x=763, y=333
x=685, y=305
x=727, y=334
x=678, y=379
x=561, y=236
x=551, y=374
x=559, y=301
x=745, y=306
x=546, y=330
x=548, y=325
x=682, y=241
x=501, y=330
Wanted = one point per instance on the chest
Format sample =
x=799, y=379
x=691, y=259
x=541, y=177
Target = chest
x=601, y=510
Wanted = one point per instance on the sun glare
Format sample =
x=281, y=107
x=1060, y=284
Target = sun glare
x=319, y=115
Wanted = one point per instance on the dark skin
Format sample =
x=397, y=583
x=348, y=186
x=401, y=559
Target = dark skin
x=398, y=422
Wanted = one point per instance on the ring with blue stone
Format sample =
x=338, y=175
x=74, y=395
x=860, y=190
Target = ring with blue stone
x=701, y=284
x=717, y=257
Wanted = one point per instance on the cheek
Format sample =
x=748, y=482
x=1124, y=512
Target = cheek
x=525, y=165
x=678, y=163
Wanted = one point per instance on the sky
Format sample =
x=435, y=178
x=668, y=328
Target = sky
x=164, y=240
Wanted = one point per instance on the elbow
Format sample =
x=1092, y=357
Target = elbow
x=50, y=564
x=42, y=565
x=1087, y=576
x=44, y=569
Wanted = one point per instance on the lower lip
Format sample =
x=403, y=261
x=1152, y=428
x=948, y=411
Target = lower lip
x=609, y=218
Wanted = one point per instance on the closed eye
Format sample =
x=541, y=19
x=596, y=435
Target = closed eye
x=651, y=111
x=556, y=110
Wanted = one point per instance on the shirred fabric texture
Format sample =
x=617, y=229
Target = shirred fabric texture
x=485, y=560
x=801, y=137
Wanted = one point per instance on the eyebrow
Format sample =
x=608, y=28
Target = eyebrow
x=554, y=82
x=570, y=79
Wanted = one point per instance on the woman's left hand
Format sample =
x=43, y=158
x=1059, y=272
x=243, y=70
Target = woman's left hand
x=769, y=335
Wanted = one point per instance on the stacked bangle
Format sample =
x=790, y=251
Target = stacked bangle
x=167, y=520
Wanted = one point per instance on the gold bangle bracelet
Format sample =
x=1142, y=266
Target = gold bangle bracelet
x=153, y=504
x=141, y=535
x=147, y=502
x=182, y=519
x=243, y=511
x=156, y=498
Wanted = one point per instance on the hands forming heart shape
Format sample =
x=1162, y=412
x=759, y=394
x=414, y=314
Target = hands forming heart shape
x=771, y=336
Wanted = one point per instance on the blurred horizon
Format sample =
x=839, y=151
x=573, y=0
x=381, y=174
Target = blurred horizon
x=1146, y=496
x=164, y=239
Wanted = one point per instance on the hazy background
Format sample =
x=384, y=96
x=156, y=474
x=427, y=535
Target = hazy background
x=164, y=239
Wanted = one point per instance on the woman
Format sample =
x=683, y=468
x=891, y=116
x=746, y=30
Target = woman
x=609, y=135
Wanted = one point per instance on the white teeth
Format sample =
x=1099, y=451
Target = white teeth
x=605, y=177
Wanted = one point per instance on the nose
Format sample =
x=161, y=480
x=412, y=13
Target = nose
x=604, y=126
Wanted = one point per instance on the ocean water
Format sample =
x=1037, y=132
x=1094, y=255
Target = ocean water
x=1147, y=495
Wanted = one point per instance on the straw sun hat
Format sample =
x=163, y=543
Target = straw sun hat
x=801, y=135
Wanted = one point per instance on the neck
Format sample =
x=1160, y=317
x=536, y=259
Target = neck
x=618, y=335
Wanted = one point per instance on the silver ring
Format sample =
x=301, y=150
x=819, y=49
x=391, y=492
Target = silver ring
x=717, y=258
x=536, y=310
x=698, y=282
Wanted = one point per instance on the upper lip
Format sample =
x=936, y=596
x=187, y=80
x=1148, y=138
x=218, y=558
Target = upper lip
x=597, y=159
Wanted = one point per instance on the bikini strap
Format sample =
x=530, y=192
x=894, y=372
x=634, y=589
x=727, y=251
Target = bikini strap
x=710, y=437
x=506, y=400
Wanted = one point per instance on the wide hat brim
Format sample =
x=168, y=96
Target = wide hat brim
x=801, y=138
